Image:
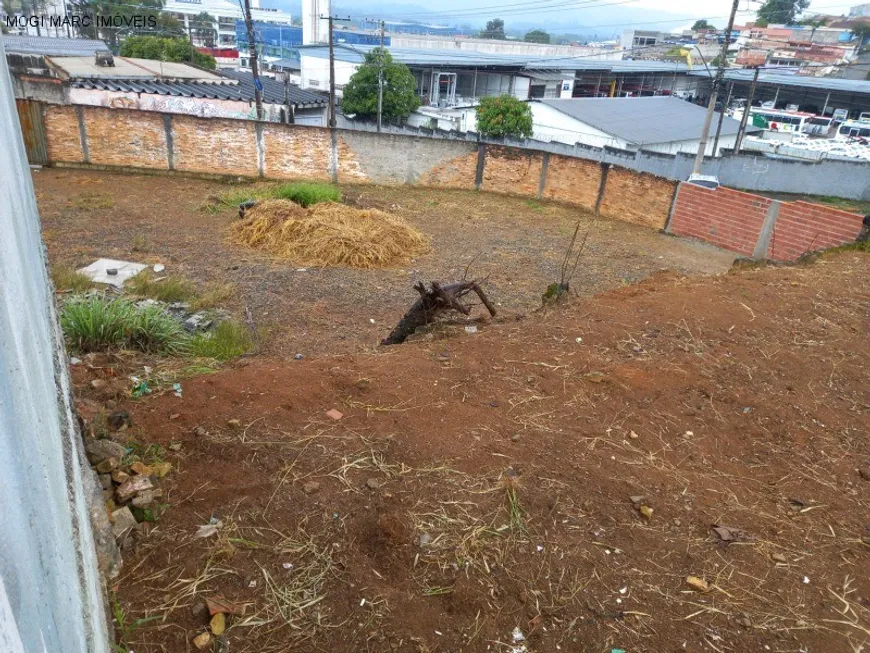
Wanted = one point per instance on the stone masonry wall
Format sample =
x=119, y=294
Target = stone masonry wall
x=62, y=134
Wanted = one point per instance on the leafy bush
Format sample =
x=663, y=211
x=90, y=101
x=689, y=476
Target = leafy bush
x=306, y=194
x=504, y=115
x=167, y=289
x=97, y=323
x=166, y=49
x=228, y=340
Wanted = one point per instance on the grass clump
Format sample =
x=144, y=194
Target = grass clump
x=67, y=279
x=215, y=294
x=165, y=289
x=97, y=323
x=228, y=340
x=307, y=194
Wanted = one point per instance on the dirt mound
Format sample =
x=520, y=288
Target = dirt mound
x=329, y=234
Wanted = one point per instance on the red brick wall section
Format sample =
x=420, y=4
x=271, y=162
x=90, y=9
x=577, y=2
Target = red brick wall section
x=121, y=138
x=803, y=227
x=637, y=197
x=728, y=218
x=458, y=172
x=215, y=145
x=575, y=181
x=62, y=134
x=296, y=152
x=512, y=171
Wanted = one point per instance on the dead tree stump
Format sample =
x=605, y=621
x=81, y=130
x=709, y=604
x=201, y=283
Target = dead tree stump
x=433, y=300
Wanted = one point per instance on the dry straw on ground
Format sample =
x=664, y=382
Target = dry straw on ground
x=328, y=234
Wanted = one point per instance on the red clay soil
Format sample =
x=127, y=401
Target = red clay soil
x=495, y=481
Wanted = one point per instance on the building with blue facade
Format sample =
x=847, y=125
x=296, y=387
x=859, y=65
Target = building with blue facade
x=283, y=41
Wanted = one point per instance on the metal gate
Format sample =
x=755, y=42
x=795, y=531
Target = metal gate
x=33, y=129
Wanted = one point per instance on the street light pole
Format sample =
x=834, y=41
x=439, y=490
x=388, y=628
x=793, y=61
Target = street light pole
x=381, y=78
x=714, y=94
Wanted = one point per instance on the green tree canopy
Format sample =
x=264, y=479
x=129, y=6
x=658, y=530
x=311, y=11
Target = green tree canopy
x=780, y=11
x=494, y=29
x=504, y=115
x=166, y=49
x=700, y=24
x=536, y=36
x=131, y=18
x=203, y=29
x=361, y=93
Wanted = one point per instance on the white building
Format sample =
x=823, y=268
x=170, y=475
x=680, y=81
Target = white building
x=495, y=46
x=658, y=124
x=225, y=14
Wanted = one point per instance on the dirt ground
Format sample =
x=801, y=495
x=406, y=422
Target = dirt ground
x=517, y=245
x=560, y=474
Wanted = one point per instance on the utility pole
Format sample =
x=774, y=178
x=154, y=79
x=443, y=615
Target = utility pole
x=252, y=51
x=290, y=117
x=741, y=132
x=714, y=94
x=722, y=118
x=381, y=79
x=331, y=20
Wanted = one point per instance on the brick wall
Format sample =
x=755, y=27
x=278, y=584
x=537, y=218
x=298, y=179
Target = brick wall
x=637, y=197
x=214, y=145
x=62, y=134
x=802, y=227
x=728, y=218
x=299, y=153
x=458, y=172
x=575, y=181
x=511, y=171
x=121, y=138
x=736, y=221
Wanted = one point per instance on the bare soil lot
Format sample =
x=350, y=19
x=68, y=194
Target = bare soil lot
x=679, y=464
x=499, y=481
x=515, y=244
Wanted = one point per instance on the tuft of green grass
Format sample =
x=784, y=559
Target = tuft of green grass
x=535, y=205
x=306, y=193
x=228, y=340
x=97, y=323
x=165, y=289
x=215, y=294
x=66, y=278
x=230, y=200
x=139, y=243
x=124, y=628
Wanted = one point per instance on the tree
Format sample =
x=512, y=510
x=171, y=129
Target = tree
x=536, y=36
x=400, y=88
x=780, y=11
x=126, y=19
x=203, y=28
x=166, y=49
x=504, y=115
x=701, y=24
x=494, y=29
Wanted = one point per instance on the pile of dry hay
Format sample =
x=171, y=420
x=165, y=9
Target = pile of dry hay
x=328, y=234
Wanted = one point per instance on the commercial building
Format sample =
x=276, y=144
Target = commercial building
x=226, y=14
x=658, y=124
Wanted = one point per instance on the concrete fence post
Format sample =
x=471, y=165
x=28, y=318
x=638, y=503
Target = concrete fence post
x=170, y=142
x=602, y=186
x=674, y=200
x=545, y=164
x=83, y=133
x=261, y=148
x=767, y=229
x=333, y=155
x=481, y=162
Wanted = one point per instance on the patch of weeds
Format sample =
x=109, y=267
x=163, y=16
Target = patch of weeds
x=149, y=454
x=97, y=323
x=432, y=203
x=124, y=627
x=215, y=294
x=534, y=205
x=230, y=200
x=92, y=201
x=139, y=243
x=228, y=340
x=164, y=289
x=150, y=514
x=66, y=278
x=306, y=194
